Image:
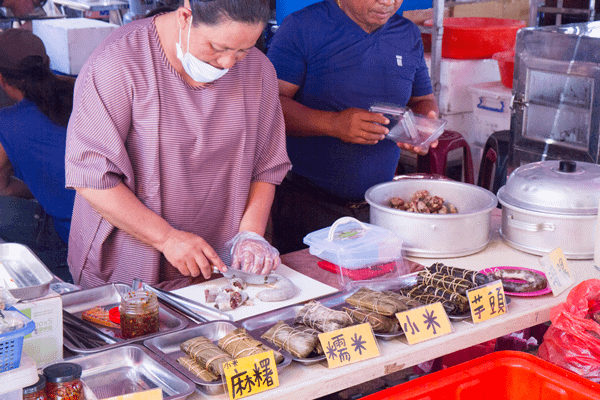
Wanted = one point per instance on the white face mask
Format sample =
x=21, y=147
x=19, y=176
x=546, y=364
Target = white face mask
x=197, y=69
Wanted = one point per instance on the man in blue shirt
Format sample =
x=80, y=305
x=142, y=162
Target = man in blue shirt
x=35, y=206
x=333, y=61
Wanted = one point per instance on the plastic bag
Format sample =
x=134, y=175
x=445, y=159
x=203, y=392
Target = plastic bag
x=573, y=339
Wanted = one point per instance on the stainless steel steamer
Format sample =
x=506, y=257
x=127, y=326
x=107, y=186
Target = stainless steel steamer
x=550, y=204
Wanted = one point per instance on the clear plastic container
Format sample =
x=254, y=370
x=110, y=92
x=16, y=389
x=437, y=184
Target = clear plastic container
x=63, y=381
x=357, y=251
x=139, y=314
x=408, y=127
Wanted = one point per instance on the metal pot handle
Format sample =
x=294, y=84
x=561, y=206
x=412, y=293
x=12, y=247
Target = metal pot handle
x=526, y=226
x=341, y=221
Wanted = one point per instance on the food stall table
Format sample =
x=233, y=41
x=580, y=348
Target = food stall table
x=316, y=380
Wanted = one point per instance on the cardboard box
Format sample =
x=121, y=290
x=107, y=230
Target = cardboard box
x=70, y=41
x=45, y=344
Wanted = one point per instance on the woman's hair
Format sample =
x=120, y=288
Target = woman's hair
x=52, y=94
x=213, y=12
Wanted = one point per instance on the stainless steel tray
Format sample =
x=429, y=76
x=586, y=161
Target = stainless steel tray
x=108, y=296
x=259, y=324
x=130, y=369
x=22, y=272
x=167, y=347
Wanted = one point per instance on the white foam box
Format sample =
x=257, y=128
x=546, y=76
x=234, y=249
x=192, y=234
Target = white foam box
x=455, y=78
x=45, y=344
x=491, y=109
x=70, y=41
x=13, y=381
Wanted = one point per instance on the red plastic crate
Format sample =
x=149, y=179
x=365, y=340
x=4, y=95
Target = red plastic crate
x=503, y=375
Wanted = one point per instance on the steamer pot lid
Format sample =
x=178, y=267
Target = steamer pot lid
x=559, y=187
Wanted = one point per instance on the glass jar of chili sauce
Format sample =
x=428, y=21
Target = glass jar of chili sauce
x=139, y=314
x=37, y=391
x=63, y=381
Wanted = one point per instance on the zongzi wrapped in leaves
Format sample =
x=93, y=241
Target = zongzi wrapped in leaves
x=427, y=298
x=461, y=301
x=322, y=318
x=196, y=369
x=239, y=344
x=448, y=282
x=472, y=276
x=379, y=323
x=206, y=353
x=299, y=344
x=307, y=329
x=386, y=303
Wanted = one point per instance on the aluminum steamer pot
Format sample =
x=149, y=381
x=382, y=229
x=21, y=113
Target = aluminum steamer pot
x=550, y=204
x=435, y=235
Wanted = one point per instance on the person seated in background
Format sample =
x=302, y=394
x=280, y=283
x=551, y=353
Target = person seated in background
x=35, y=206
x=333, y=61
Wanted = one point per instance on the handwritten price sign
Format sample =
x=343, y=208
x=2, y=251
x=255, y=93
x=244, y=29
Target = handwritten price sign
x=349, y=345
x=424, y=323
x=250, y=375
x=487, y=301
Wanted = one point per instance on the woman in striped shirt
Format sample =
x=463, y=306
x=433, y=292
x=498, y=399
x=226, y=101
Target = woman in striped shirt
x=175, y=145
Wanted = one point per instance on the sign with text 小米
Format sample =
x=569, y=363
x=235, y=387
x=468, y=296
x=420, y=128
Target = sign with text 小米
x=424, y=323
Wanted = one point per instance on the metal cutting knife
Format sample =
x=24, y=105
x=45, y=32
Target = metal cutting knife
x=247, y=277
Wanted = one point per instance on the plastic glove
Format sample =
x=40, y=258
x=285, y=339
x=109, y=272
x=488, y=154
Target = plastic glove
x=250, y=252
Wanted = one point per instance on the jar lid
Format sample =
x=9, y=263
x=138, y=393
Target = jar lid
x=62, y=372
x=558, y=186
x=36, y=387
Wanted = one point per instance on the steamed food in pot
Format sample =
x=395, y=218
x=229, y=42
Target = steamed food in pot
x=422, y=202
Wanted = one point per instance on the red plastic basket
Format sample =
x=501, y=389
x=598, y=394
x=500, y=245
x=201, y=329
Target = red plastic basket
x=503, y=375
x=11, y=344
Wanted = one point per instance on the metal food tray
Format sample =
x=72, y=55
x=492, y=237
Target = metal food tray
x=109, y=296
x=130, y=369
x=22, y=272
x=259, y=324
x=167, y=347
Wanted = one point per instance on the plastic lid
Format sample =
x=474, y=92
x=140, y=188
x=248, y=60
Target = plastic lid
x=353, y=244
x=36, y=387
x=62, y=372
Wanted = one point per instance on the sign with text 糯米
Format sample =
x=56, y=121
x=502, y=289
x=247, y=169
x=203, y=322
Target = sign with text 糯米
x=487, y=301
x=424, y=323
x=250, y=375
x=557, y=271
x=349, y=345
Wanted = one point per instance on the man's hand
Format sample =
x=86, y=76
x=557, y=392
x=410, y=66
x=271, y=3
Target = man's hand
x=355, y=125
x=419, y=150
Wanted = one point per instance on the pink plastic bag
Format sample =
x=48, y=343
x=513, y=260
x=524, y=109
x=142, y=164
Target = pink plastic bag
x=573, y=339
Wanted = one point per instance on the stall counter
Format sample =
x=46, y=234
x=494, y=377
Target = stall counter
x=316, y=380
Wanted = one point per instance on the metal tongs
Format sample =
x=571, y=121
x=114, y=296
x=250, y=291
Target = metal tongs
x=190, y=308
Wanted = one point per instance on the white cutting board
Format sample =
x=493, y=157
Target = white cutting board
x=307, y=289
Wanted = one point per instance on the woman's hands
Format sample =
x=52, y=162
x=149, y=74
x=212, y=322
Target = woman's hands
x=190, y=254
x=250, y=252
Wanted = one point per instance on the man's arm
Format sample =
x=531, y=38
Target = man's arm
x=352, y=125
x=9, y=185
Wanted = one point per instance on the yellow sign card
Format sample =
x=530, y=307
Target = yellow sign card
x=250, y=375
x=349, y=345
x=557, y=271
x=153, y=394
x=424, y=323
x=487, y=301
